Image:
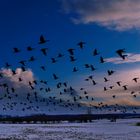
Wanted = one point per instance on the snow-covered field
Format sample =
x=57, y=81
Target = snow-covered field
x=97, y=130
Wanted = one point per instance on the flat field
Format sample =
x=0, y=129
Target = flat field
x=123, y=129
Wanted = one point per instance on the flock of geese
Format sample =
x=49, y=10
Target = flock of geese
x=33, y=98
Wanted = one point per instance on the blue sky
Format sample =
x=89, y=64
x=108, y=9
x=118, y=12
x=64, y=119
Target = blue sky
x=105, y=26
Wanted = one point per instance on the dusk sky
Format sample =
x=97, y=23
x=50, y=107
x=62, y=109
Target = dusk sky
x=103, y=25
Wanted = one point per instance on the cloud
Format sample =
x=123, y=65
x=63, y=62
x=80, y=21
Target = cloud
x=14, y=79
x=114, y=14
x=123, y=100
x=8, y=98
x=131, y=58
x=22, y=88
x=123, y=97
x=44, y=102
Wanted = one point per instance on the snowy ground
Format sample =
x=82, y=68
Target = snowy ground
x=98, y=130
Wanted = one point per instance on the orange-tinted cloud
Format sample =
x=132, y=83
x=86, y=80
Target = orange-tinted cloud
x=131, y=58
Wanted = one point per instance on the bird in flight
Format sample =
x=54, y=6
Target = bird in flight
x=125, y=87
x=7, y=65
x=32, y=58
x=44, y=51
x=43, y=68
x=81, y=44
x=87, y=66
x=72, y=59
x=16, y=50
x=135, y=79
x=105, y=79
x=75, y=69
x=119, y=83
x=93, y=82
x=53, y=60
x=29, y=48
x=23, y=69
x=105, y=89
x=120, y=53
x=102, y=60
x=110, y=72
x=60, y=55
x=42, y=40
x=55, y=77
x=71, y=51
x=92, y=68
x=22, y=62
x=95, y=52
x=114, y=96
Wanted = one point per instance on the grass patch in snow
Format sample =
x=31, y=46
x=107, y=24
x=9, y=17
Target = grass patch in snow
x=138, y=124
